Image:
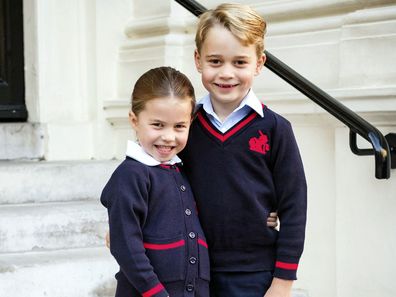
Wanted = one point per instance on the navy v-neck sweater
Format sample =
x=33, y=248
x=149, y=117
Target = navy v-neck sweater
x=238, y=178
x=155, y=235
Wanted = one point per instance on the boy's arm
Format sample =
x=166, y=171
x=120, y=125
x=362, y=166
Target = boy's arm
x=291, y=194
x=272, y=222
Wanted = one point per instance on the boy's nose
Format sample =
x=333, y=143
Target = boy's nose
x=226, y=71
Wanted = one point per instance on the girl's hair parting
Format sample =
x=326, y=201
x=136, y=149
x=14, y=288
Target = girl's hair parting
x=161, y=82
x=241, y=20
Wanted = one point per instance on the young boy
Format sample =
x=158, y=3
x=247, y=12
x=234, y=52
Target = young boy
x=243, y=162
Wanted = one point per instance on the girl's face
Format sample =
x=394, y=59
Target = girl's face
x=162, y=126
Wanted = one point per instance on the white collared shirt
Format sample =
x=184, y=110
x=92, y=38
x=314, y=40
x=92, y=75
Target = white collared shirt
x=136, y=152
x=247, y=104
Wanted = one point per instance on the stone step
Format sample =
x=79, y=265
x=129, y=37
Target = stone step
x=64, y=273
x=22, y=141
x=42, y=181
x=56, y=225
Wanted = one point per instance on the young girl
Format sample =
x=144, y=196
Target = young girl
x=156, y=237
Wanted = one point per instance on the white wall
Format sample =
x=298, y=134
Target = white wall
x=71, y=52
x=82, y=58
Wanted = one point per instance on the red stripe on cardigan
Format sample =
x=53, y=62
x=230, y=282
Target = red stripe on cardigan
x=166, y=246
x=158, y=288
x=169, y=167
x=202, y=242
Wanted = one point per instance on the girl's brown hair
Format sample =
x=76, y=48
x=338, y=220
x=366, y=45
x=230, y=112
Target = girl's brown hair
x=161, y=82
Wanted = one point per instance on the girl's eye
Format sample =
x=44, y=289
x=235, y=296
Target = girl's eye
x=181, y=126
x=158, y=125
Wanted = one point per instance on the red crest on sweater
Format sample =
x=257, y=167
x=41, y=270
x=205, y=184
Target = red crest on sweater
x=259, y=144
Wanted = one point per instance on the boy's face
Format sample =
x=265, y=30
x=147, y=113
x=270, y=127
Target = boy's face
x=227, y=68
x=162, y=127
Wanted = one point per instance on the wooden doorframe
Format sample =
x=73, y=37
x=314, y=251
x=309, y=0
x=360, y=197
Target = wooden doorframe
x=12, y=75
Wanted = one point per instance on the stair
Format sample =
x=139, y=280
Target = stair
x=61, y=273
x=52, y=229
x=22, y=141
x=32, y=181
x=49, y=226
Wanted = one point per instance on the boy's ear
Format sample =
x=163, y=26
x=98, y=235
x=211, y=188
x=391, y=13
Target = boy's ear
x=133, y=120
x=260, y=63
x=197, y=59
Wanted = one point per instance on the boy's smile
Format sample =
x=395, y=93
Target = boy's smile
x=228, y=68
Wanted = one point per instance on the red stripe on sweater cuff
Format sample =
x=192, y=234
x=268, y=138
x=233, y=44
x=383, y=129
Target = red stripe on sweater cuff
x=287, y=266
x=153, y=291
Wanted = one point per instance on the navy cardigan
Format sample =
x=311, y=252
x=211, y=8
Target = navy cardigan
x=238, y=178
x=155, y=235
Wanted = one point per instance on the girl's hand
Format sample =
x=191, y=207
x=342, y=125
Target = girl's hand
x=107, y=239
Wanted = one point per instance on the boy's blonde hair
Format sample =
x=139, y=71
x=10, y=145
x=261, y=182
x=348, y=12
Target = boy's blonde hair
x=241, y=20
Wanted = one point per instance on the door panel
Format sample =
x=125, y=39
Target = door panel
x=12, y=83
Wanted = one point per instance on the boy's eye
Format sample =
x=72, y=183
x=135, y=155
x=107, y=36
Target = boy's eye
x=180, y=126
x=158, y=125
x=240, y=62
x=214, y=61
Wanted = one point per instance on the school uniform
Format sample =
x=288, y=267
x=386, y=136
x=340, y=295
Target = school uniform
x=239, y=174
x=155, y=235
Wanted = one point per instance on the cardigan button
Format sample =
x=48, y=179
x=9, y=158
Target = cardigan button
x=188, y=212
x=182, y=188
x=190, y=288
x=191, y=235
x=193, y=260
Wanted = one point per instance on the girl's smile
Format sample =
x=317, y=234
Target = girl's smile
x=162, y=126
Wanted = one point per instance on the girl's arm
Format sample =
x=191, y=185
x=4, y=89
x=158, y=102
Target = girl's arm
x=125, y=197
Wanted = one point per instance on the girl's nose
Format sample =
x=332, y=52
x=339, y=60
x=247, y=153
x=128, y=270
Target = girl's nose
x=168, y=137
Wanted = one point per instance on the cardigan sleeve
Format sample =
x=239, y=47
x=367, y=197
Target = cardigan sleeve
x=126, y=197
x=291, y=195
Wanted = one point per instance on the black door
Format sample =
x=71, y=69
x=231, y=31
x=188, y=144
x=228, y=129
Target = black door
x=12, y=83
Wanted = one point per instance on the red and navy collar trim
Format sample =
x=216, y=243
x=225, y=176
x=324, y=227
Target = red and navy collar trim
x=169, y=167
x=224, y=136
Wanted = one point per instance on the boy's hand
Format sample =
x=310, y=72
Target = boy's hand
x=107, y=239
x=272, y=220
x=279, y=288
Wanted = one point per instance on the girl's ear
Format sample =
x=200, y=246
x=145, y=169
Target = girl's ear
x=260, y=64
x=133, y=120
x=197, y=59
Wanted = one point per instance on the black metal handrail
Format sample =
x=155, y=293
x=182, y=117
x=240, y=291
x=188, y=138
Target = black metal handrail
x=384, y=155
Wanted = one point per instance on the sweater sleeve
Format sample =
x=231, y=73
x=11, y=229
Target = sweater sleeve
x=126, y=198
x=291, y=193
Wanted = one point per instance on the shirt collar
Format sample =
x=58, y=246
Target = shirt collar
x=135, y=151
x=250, y=100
